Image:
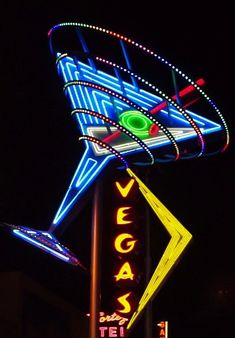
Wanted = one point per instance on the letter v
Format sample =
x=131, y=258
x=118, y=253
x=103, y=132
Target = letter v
x=124, y=191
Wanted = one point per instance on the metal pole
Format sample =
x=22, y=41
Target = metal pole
x=148, y=317
x=95, y=264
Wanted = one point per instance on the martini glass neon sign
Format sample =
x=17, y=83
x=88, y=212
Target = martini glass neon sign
x=120, y=114
x=131, y=119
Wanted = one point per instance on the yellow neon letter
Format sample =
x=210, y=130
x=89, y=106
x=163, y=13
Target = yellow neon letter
x=125, y=272
x=162, y=332
x=129, y=244
x=121, y=214
x=125, y=191
x=124, y=302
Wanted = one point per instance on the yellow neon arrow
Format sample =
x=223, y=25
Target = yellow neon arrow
x=180, y=237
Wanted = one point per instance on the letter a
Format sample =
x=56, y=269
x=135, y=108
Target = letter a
x=125, y=272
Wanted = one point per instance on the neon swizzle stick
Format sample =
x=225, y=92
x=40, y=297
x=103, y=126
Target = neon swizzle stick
x=121, y=115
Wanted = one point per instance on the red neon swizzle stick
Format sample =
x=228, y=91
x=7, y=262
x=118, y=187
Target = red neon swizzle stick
x=189, y=89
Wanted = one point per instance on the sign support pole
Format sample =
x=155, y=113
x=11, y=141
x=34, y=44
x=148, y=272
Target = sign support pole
x=148, y=317
x=95, y=264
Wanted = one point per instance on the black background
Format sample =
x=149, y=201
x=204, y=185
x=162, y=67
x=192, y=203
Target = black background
x=39, y=150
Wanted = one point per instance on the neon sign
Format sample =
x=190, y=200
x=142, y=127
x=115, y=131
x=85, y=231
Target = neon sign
x=125, y=272
x=125, y=303
x=112, y=102
x=163, y=329
x=120, y=320
x=120, y=113
x=124, y=243
x=121, y=215
x=111, y=331
x=124, y=191
x=123, y=117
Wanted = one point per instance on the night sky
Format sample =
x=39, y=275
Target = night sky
x=39, y=149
